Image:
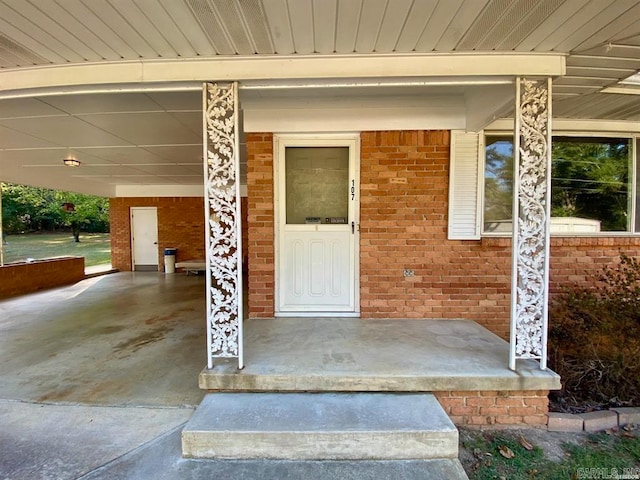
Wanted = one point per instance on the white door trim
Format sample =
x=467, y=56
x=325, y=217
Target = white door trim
x=281, y=141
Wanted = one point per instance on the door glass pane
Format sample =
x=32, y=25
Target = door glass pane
x=317, y=185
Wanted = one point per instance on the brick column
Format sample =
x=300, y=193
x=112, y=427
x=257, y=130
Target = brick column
x=261, y=225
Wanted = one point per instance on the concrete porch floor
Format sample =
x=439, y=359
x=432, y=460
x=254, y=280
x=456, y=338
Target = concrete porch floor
x=348, y=354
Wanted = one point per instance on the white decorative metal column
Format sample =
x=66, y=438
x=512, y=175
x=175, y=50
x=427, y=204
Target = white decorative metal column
x=223, y=222
x=531, y=220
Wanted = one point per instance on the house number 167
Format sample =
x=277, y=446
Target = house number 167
x=353, y=189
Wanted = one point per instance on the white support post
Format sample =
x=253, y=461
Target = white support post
x=531, y=221
x=223, y=222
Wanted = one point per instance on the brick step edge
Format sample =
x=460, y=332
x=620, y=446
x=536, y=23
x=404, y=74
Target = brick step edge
x=593, y=421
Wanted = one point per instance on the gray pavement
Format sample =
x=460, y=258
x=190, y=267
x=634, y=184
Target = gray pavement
x=98, y=379
x=95, y=370
x=63, y=442
x=44, y=441
x=122, y=339
x=160, y=460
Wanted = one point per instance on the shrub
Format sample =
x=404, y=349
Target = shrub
x=594, y=339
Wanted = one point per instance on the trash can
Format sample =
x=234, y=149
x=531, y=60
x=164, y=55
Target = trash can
x=170, y=260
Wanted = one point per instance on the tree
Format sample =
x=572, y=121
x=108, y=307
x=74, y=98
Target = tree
x=89, y=213
x=590, y=180
x=498, y=185
x=28, y=209
x=24, y=208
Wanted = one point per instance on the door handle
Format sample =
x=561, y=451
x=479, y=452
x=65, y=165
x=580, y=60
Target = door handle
x=353, y=228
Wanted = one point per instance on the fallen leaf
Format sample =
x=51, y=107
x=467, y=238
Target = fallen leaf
x=506, y=452
x=525, y=443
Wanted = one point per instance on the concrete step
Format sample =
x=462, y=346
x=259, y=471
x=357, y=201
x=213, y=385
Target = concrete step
x=320, y=426
x=160, y=460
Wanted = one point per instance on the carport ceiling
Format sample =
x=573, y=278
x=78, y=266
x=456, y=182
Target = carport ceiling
x=153, y=138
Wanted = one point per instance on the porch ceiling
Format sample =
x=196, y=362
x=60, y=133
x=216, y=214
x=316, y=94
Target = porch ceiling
x=152, y=138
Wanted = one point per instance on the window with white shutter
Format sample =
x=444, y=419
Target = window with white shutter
x=464, y=186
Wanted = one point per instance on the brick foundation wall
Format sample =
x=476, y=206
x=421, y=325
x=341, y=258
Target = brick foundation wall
x=180, y=225
x=403, y=224
x=528, y=408
x=261, y=224
x=22, y=278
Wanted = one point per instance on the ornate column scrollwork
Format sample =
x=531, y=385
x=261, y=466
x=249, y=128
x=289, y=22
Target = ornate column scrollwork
x=531, y=219
x=223, y=222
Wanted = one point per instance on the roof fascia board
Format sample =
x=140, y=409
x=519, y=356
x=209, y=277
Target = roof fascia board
x=283, y=68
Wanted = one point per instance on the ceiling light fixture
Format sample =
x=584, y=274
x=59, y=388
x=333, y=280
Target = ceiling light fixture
x=71, y=162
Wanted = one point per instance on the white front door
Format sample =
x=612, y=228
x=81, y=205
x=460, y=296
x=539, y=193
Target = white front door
x=317, y=191
x=144, y=238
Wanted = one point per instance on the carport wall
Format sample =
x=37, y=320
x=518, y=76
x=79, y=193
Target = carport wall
x=403, y=224
x=180, y=225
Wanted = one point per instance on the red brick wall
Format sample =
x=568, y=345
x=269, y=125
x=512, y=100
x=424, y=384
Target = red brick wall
x=22, y=278
x=528, y=408
x=261, y=257
x=576, y=260
x=180, y=225
x=403, y=225
x=404, y=190
x=245, y=230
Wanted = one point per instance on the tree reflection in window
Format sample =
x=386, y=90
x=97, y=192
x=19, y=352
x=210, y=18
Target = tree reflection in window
x=590, y=181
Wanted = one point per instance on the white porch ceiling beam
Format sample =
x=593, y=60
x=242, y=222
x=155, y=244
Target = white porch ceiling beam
x=159, y=191
x=574, y=125
x=57, y=179
x=284, y=68
x=486, y=104
x=623, y=90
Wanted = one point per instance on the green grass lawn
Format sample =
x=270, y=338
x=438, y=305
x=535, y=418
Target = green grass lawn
x=94, y=247
x=509, y=455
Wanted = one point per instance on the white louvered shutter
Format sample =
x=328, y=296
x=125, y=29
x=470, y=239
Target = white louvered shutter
x=464, y=187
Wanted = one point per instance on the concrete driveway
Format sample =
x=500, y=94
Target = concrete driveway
x=93, y=371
